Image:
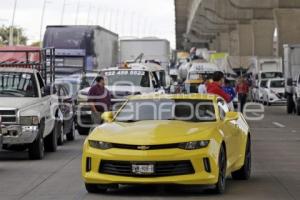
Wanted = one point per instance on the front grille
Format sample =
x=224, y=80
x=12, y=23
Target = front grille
x=161, y=169
x=146, y=147
x=8, y=116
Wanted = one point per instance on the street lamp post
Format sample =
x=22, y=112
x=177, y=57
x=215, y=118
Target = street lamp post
x=63, y=12
x=77, y=12
x=42, y=21
x=11, y=30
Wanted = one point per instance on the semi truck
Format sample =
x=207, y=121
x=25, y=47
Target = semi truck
x=292, y=77
x=152, y=49
x=81, y=48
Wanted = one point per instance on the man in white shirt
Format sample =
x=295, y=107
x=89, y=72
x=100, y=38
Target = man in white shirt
x=202, y=88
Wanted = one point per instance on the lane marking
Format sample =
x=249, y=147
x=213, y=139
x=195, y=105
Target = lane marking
x=256, y=114
x=279, y=125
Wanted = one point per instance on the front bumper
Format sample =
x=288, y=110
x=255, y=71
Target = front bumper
x=200, y=177
x=17, y=134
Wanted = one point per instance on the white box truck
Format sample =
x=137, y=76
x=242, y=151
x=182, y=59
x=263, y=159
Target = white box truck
x=292, y=77
x=151, y=48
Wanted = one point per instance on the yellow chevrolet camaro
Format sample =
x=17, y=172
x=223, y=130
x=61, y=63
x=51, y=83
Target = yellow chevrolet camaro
x=188, y=139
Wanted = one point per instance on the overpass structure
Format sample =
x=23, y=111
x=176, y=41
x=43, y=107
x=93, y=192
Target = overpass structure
x=239, y=27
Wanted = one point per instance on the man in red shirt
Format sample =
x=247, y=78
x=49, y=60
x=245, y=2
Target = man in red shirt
x=216, y=86
x=242, y=90
x=99, y=98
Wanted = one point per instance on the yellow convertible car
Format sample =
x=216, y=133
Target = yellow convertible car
x=188, y=139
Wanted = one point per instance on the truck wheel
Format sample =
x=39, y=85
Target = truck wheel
x=51, y=139
x=298, y=107
x=83, y=130
x=36, y=149
x=71, y=134
x=290, y=104
x=60, y=133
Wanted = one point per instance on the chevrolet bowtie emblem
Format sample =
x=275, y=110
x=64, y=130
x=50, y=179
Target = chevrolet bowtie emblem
x=143, y=148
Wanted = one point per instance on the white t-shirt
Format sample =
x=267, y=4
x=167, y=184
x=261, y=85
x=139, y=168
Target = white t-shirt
x=202, y=89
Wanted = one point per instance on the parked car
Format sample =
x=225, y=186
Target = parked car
x=258, y=90
x=273, y=92
x=196, y=141
x=66, y=107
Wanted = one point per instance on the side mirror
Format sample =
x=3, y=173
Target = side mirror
x=107, y=117
x=230, y=116
x=46, y=91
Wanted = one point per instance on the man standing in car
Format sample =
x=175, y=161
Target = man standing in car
x=99, y=99
x=216, y=86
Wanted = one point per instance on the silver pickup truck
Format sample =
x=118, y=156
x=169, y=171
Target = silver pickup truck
x=28, y=106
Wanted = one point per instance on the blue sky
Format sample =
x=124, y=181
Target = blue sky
x=137, y=18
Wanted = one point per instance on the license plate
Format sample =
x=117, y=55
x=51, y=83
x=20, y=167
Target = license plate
x=143, y=169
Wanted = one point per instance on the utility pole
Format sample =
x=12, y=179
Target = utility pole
x=89, y=14
x=11, y=30
x=42, y=21
x=62, y=13
x=77, y=12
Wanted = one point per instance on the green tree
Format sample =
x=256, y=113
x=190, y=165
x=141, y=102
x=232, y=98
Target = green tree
x=18, y=36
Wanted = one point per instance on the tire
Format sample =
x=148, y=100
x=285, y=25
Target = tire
x=83, y=130
x=95, y=188
x=245, y=172
x=221, y=184
x=51, y=139
x=71, y=134
x=298, y=107
x=36, y=149
x=290, y=104
x=60, y=139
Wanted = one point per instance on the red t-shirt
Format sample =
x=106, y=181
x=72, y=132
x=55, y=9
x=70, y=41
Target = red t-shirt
x=242, y=88
x=215, y=88
x=101, y=96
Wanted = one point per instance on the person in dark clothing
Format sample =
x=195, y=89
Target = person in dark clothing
x=216, y=86
x=242, y=89
x=99, y=99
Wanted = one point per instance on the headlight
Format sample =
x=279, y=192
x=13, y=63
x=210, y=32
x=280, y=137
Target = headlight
x=100, y=145
x=29, y=120
x=194, y=145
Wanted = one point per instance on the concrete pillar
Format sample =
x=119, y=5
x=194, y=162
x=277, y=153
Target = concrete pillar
x=287, y=23
x=224, y=41
x=262, y=37
x=245, y=40
x=214, y=44
x=234, y=43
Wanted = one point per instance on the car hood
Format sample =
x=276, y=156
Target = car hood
x=153, y=132
x=18, y=103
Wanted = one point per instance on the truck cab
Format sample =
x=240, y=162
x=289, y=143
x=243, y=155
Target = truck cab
x=131, y=79
x=28, y=107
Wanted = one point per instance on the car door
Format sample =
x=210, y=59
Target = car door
x=46, y=107
x=230, y=132
x=66, y=108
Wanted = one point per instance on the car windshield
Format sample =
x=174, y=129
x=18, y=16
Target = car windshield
x=127, y=78
x=277, y=84
x=17, y=84
x=167, y=109
x=199, y=76
x=72, y=85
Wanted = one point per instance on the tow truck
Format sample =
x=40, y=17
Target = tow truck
x=28, y=107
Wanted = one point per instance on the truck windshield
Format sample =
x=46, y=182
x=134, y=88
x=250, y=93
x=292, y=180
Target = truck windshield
x=167, y=109
x=267, y=75
x=127, y=78
x=17, y=84
x=277, y=84
x=199, y=76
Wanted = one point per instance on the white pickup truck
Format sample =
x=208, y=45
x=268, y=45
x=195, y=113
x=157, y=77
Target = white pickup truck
x=28, y=110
